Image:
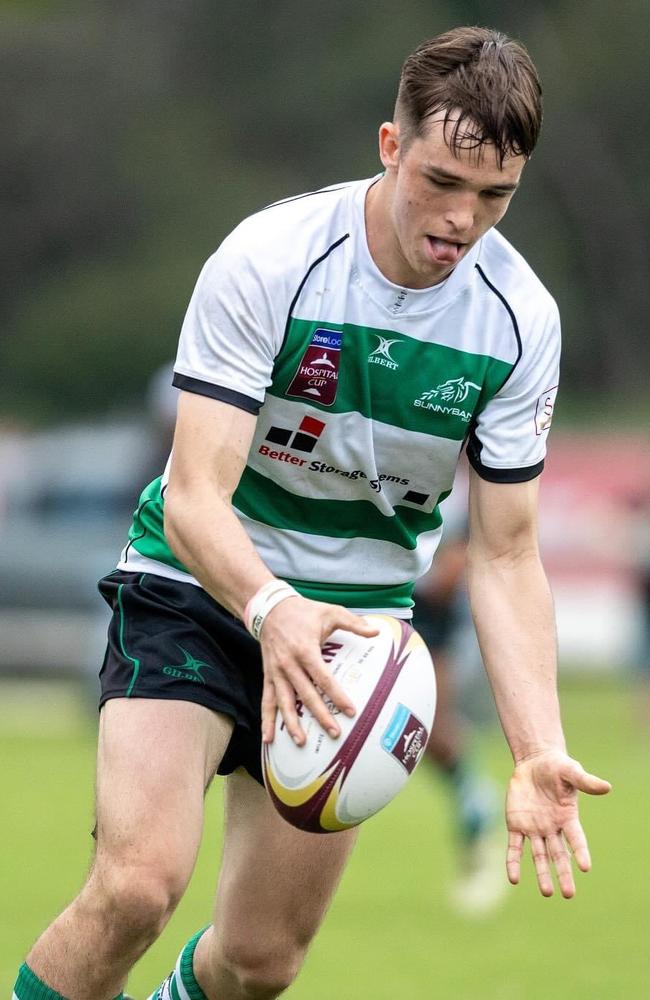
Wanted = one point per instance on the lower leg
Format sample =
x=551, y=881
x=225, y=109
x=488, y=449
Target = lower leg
x=251, y=973
x=100, y=936
x=155, y=759
x=275, y=886
x=449, y=750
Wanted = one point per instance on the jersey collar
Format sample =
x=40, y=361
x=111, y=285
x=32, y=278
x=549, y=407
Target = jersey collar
x=395, y=299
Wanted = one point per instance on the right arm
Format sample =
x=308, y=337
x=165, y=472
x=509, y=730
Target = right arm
x=211, y=445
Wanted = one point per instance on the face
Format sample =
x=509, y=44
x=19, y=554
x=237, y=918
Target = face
x=439, y=202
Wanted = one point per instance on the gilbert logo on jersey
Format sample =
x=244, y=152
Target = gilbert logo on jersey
x=317, y=375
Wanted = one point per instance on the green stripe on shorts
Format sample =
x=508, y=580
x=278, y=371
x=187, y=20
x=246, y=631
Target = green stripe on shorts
x=134, y=661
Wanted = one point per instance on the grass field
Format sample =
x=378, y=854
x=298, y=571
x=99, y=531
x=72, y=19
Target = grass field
x=390, y=932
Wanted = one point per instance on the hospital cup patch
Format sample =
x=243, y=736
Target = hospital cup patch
x=317, y=375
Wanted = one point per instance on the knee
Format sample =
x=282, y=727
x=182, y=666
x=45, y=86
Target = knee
x=137, y=900
x=262, y=969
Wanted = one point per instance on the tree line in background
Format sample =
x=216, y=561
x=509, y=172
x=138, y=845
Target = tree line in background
x=136, y=135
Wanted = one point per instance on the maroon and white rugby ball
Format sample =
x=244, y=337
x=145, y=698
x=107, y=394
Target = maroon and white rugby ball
x=329, y=785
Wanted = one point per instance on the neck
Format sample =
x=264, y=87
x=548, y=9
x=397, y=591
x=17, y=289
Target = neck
x=382, y=239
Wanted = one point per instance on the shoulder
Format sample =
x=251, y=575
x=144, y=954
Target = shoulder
x=280, y=242
x=506, y=275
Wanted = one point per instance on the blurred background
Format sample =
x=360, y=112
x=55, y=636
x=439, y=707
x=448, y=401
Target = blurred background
x=135, y=136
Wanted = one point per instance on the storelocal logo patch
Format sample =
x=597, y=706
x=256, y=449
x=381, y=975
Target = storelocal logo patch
x=305, y=439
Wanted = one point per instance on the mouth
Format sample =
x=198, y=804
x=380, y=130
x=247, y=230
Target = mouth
x=444, y=251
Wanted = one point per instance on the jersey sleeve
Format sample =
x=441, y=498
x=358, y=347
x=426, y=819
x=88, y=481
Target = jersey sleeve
x=230, y=334
x=507, y=440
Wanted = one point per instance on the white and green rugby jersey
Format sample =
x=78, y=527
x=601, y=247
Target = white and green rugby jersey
x=366, y=393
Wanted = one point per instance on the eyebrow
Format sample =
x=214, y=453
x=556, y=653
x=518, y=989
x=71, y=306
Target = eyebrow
x=439, y=174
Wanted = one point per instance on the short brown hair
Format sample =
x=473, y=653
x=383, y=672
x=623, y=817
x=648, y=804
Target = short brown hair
x=487, y=77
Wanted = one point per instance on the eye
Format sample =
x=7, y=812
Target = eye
x=497, y=194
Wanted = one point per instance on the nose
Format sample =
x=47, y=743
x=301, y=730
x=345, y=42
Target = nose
x=461, y=212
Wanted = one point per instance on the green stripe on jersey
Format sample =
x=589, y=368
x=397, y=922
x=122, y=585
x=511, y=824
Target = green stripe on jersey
x=357, y=595
x=147, y=534
x=390, y=377
x=263, y=500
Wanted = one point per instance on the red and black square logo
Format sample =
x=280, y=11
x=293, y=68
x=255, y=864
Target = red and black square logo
x=303, y=439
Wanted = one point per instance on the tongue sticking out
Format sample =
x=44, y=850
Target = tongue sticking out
x=444, y=252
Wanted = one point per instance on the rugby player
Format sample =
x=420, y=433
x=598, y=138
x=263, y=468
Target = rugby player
x=339, y=351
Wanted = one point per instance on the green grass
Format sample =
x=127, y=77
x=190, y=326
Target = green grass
x=390, y=932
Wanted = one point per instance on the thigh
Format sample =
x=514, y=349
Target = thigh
x=169, y=640
x=276, y=882
x=155, y=759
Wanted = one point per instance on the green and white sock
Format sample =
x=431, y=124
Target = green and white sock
x=30, y=987
x=181, y=984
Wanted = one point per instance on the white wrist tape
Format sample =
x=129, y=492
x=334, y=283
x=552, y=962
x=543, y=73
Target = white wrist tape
x=263, y=602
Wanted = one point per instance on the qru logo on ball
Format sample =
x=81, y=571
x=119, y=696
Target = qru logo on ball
x=447, y=396
x=381, y=354
x=405, y=738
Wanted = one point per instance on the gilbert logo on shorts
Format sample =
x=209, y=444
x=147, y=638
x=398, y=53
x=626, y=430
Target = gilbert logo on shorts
x=190, y=670
x=317, y=375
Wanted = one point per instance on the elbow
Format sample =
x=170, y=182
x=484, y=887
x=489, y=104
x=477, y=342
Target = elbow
x=502, y=558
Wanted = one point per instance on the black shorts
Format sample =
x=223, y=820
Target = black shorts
x=436, y=621
x=172, y=640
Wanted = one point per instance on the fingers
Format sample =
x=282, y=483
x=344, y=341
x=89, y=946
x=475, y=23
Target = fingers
x=289, y=706
x=550, y=853
x=297, y=687
x=542, y=866
x=575, y=837
x=322, y=708
x=557, y=851
x=586, y=782
x=333, y=692
x=513, y=856
x=269, y=710
x=352, y=623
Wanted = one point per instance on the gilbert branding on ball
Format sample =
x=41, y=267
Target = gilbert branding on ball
x=329, y=785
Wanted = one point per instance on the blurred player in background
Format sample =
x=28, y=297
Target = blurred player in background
x=443, y=619
x=229, y=584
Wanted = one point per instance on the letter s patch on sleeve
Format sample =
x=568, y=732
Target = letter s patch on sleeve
x=544, y=410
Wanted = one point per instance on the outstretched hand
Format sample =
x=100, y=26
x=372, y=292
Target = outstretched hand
x=542, y=805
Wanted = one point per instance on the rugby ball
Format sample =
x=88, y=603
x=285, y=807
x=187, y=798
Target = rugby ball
x=328, y=784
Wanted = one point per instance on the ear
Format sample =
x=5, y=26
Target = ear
x=389, y=145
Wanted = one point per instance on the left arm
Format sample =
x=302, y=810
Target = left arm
x=513, y=612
